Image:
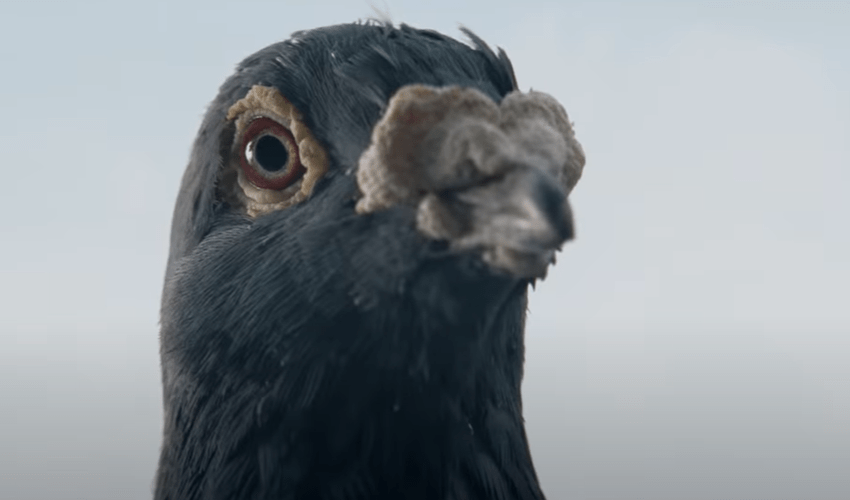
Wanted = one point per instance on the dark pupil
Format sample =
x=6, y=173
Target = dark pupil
x=271, y=153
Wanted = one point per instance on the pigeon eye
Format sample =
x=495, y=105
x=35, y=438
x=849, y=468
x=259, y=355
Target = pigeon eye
x=269, y=155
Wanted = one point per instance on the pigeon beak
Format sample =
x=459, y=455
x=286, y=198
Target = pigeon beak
x=544, y=219
x=520, y=219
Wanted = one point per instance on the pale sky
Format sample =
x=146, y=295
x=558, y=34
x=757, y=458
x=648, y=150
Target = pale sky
x=693, y=342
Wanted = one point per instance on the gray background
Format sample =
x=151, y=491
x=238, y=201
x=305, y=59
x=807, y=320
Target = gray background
x=692, y=343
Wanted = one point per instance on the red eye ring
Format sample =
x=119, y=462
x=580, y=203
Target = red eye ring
x=269, y=156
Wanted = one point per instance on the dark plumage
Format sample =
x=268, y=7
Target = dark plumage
x=314, y=352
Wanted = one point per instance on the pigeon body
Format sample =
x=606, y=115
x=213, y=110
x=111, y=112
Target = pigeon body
x=355, y=233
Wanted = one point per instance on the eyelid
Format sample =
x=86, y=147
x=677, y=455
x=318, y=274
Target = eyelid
x=242, y=193
x=293, y=169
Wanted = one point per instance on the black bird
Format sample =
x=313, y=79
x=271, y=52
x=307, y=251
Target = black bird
x=343, y=312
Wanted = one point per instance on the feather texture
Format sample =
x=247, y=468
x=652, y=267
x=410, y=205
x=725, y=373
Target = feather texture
x=316, y=353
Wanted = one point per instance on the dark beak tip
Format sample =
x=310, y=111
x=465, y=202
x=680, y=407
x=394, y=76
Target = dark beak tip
x=552, y=201
x=564, y=223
